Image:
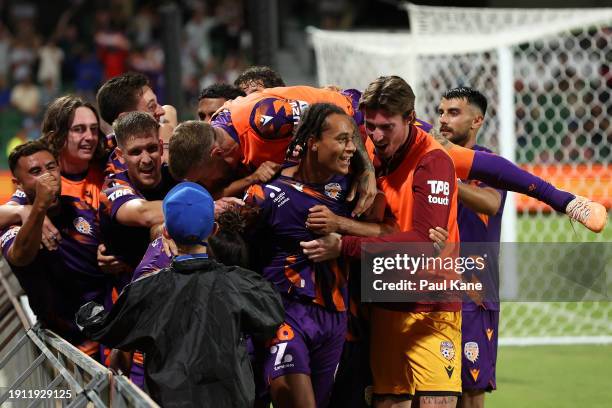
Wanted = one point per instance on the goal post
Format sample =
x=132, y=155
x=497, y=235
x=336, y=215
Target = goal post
x=546, y=74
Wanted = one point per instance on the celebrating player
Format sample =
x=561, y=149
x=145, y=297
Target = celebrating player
x=461, y=114
x=408, y=163
x=56, y=281
x=258, y=78
x=213, y=97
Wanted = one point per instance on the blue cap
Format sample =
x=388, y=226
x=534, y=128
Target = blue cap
x=189, y=213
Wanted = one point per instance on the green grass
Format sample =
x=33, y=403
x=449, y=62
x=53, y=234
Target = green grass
x=553, y=376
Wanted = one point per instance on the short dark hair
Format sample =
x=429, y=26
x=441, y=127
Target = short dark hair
x=225, y=91
x=266, y=75
x=472, y=96
x=190, y=145
x=389, y=93
x=25, y=150
x=134, y=124
x=58, y=120
x=120, y=94
x=312, y=124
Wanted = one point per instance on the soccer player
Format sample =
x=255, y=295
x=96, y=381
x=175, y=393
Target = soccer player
x=130, y=204
x=260, y=122
x=56, y=281
x=126, y=93
x=131, y=201
x=409, y=164
x=70, y=129
x=213, y=97
x=258, y=78
x=256, y=131
x=304, y=356
x=190, y=318
x=461, y=114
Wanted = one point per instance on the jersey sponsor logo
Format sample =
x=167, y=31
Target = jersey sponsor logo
x=333, y=190
x=471, y=351
x=439, y=192
x=119, y=193
x=447, y=349
x=282, y=359
x=277, y=195
x=8, y=235
x=82, y=225
x=20, y=194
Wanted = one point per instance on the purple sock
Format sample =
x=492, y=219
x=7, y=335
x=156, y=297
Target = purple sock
x=502, y=174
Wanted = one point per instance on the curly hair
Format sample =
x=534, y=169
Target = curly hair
x=262, y=74
x=228, y=245
x=58, y=120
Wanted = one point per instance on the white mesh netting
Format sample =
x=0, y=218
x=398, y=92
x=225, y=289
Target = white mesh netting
x=561, y=83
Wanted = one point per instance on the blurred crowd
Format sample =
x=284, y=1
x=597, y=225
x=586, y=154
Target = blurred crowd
x=44, y=55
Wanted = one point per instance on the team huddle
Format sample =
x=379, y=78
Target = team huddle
x=216, y=261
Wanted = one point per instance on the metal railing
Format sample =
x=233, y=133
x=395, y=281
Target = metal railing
x=40, y=369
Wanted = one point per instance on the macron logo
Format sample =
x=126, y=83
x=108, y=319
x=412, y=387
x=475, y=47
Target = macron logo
x=438, y=187
x=265, y=119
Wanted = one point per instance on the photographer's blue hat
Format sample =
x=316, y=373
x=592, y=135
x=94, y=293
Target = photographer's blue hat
x=189, y=213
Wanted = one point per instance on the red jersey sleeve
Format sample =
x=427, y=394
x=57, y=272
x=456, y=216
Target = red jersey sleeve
x=433, y=186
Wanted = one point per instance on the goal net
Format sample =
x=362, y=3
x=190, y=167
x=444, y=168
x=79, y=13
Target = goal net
x=546, y=74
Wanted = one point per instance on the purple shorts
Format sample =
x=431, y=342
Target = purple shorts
x=309, y=342
x=479, y=340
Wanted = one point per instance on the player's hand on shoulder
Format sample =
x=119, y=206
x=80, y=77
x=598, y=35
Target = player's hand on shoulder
x=332, y=87
x=322, y=220
x=365, y=185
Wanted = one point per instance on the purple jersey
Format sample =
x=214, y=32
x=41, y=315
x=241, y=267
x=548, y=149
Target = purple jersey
x=474, y=227
x=153, y=260
x=284, y=204
x=127, y=243
x=18, y=197
x=59, y=282
x=113, y=164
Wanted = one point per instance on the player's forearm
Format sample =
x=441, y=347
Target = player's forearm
x=502, y=174
x=141, y=213
x=351, y=245
x=481, y=200
x=349, y=226
x=237, y=188
x=27, y=242
x=361, y=161
x=11, y=214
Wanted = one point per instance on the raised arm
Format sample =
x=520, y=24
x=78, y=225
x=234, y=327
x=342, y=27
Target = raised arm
x=28, y=239
x=483, y=200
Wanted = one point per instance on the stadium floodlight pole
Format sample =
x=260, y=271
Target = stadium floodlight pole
x=507, y=149
x=171, y=42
